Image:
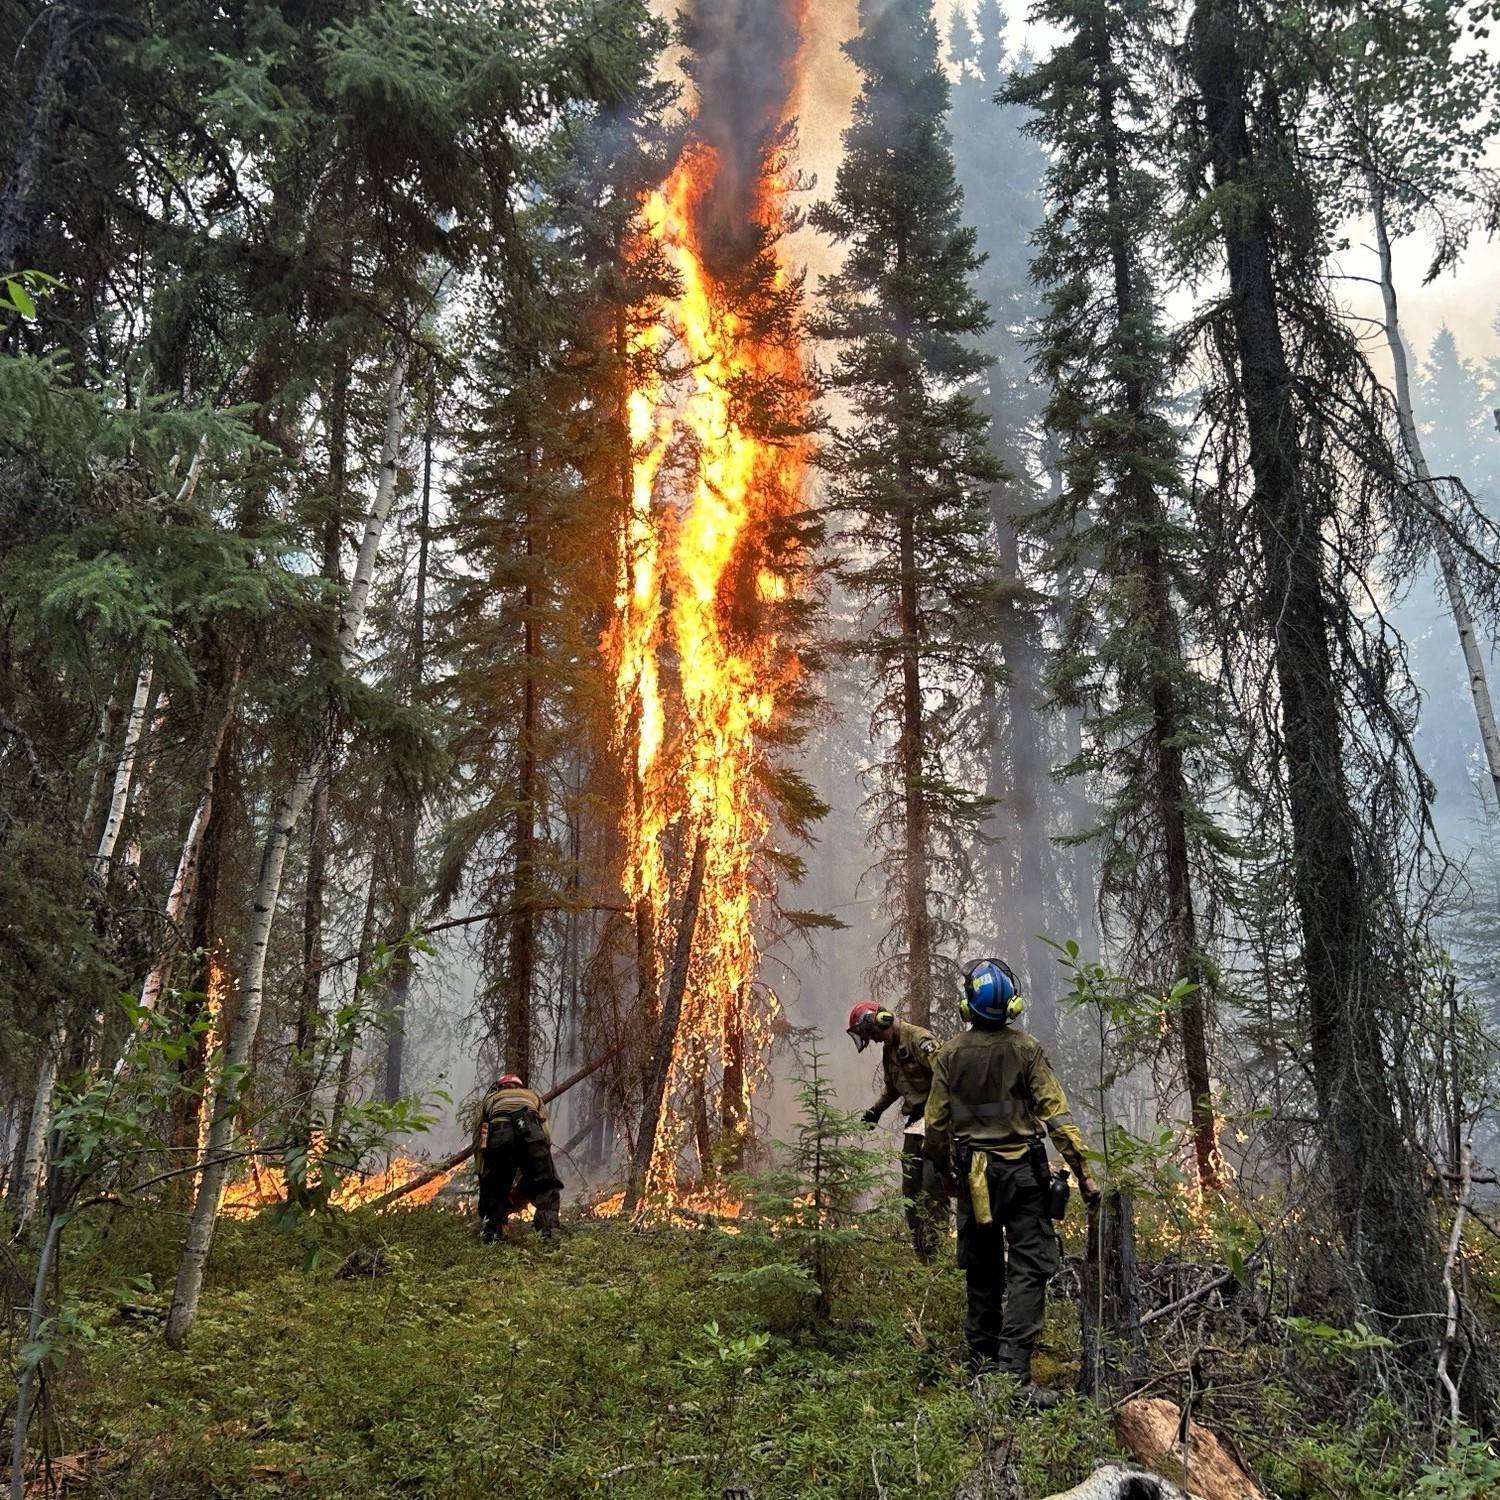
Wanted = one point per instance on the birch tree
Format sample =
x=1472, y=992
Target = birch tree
x=287, y=813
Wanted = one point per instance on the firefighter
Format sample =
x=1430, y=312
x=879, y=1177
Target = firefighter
x=906, y=1058
x=993, y=1102
x=513, y=1149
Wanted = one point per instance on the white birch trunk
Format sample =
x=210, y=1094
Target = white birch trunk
x=124, y=770
x=1458, y=603
x=189, y=1284
x=184, y=885
x=33, y=1158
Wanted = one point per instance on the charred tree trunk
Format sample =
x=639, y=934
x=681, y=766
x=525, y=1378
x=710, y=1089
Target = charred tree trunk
x=1376, y=1187
x=1114, y=1345
x=519, y=1044
x=910, y=763
x=666, y=1042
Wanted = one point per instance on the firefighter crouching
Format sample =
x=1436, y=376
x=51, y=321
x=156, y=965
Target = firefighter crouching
x=993, y=1102
x=513, y=1151
x=906, y=1058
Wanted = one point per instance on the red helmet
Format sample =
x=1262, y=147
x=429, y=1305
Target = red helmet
x=510, y=1081
x=865, y=1020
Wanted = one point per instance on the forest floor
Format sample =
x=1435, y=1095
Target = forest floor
x=398, y=1356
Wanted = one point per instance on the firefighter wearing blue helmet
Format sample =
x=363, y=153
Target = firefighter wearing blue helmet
x=993, y=1103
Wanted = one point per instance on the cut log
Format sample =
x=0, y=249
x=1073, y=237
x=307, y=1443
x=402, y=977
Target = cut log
x=1148, y=1428
x=1119, y=1482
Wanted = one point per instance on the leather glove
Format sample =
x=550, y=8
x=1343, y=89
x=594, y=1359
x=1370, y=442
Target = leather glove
x=871, y=1117
x=1091, y=1190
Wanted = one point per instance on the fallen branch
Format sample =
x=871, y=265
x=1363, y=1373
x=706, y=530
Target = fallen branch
x=654, y=1463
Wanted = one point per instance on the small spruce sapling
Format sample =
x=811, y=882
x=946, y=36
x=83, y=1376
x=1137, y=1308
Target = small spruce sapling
x=813, y=1212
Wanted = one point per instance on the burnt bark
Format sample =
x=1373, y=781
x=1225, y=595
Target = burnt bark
x=1113, y=1344
x=666, y=1042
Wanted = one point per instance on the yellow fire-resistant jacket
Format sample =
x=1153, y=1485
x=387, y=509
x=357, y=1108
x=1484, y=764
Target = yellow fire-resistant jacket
x=508, y=1101
x=906, y=1061
x=996, y=1089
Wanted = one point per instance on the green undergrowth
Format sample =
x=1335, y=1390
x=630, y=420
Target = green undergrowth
x=620, y=1362
x=397, y=1356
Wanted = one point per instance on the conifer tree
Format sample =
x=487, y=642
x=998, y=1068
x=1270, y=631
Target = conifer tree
x=909, y=478
x=1030, y=879
x=1118, y=525
x=1302, y=456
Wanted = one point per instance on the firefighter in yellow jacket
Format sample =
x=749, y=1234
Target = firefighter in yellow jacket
x=906, y=1054
x=513, y=1150
x=994, y=1101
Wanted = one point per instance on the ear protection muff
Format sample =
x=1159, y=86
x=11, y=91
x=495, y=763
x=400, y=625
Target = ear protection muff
x=884, y=1018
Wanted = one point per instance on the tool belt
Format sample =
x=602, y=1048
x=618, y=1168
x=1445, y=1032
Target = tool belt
x=973, y=1174
x=510, y=1126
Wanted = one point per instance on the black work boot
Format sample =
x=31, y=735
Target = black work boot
x=549, y=1224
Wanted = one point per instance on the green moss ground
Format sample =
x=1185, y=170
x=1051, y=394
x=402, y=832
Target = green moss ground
x=466, y=1370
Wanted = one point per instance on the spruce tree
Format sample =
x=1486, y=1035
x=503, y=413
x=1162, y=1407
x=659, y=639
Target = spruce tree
x=1119, y=526
x=1302, y=461
x=908, y=480
x=1030, y=880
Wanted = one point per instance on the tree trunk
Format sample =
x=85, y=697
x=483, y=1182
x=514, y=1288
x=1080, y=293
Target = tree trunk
x=523, y=919
x=20, y=211
x=1377, y=1190
x=1458, y=602
x=1114, y=1345
x=109, y=723
x=346, y=1056
x=189, y=1284
x=304, y=1070
x=1025, y=798
x=34, y=1155
x=403, y=905
x=910, y=760
x=181, y=897
x=666, y=1044
x=135, y=726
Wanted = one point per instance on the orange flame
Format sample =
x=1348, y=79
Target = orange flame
x=699, y=672
x=266, y=1187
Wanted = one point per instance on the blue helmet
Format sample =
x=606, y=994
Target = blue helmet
x=991, y=993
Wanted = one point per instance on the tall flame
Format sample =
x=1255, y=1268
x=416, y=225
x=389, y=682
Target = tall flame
x=700, y=666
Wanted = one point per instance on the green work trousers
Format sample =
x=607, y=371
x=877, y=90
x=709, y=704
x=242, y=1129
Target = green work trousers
x=1007, y=1264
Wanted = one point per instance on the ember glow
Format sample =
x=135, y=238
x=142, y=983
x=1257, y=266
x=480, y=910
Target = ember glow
x=700, y=667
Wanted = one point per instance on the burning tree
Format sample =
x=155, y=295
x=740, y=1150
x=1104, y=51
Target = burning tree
x=716, y=549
